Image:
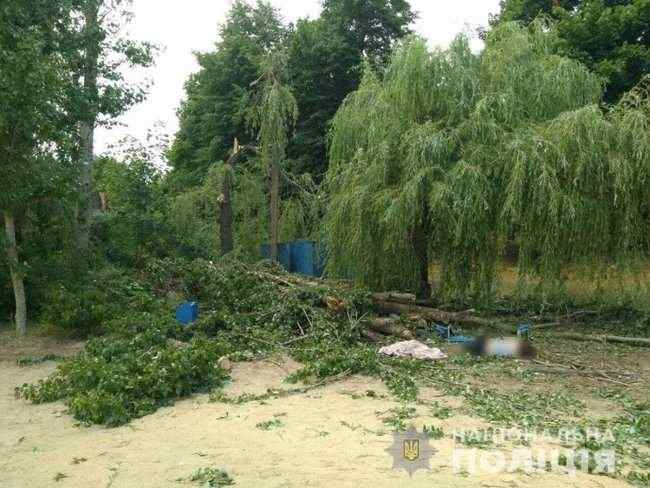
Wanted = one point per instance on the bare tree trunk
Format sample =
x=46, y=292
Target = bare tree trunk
x=87, y=124
x=225, y=210
x=421, y=248
x=275, y=209
x=17, y=279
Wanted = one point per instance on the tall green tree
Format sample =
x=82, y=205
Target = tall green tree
x=33, y=83
x=218, y=96
x=612, y=37
x=325, y=64
x=451, y=155
x=274, y=115
x=96, y=53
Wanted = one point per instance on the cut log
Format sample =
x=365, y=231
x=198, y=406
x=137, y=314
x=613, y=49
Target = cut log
x=391, y=296
x=389, y=327
x=373, y=336
x=436, y=315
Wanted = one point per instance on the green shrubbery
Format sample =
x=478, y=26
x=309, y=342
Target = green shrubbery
x=127, y=375
x=96, y=299
x=145, y=360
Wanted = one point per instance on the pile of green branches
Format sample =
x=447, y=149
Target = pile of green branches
x=145, y=359
x=450, y=156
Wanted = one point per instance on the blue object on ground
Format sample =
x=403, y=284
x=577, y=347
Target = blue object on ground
x=460, y=339
x=447, y=333
x=187, y=312
x=284, y=254
x=525, y=331
x=304, y=257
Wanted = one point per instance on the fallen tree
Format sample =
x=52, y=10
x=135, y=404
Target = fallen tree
x=389, y=326
x=436, y=315
x=635, y=341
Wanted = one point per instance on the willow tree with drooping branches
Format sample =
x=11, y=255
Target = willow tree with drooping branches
x=450, y=155
x=274, y=114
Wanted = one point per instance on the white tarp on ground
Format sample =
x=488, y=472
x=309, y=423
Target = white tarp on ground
x=412, y=349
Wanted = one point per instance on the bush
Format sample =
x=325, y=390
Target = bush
x=120, y=377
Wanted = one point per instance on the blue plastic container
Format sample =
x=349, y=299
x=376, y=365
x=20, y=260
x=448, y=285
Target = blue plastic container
x=525, y=331
x=447, y=333
x=187, y=312
x=284, y=254
x=304, y=257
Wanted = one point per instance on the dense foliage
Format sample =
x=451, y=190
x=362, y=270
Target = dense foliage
x=609, y=36
x=61, y=76
x=217, y=105
x=146, y=359
x=452, y=155
x=324, y=65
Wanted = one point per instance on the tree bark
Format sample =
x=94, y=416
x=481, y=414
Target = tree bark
x=421, y=248
x=440, y=315
x=635, y=341
x=389, y=327
x=87, y=125
x=225, y=211
x=275, y=210
x=17, y=278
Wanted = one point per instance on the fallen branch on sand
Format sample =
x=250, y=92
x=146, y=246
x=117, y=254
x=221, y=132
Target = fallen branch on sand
x=607, y=375
x=635, y=341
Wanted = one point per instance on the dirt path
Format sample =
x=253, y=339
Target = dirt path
x=329, y=437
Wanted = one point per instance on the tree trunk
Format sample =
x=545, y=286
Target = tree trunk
x=421, y=248
x=17, y=279
x=389, y=327
x=87, y=125
x=275, y=210
x=435, y=315
x=225, y=213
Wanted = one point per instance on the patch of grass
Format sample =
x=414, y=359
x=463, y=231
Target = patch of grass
x=440, y=411
x=361, y=427
x=638, y=479
x=32, y=360
x=433, y=432
x=270, y=424
x=480, y=439
x=60, y=476
x=211, y=478
x=398, y=417
x=524, y=408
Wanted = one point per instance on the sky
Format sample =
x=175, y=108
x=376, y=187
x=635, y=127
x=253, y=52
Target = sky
x=182, y=27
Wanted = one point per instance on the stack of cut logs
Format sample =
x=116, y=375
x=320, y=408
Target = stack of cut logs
x=405, y=309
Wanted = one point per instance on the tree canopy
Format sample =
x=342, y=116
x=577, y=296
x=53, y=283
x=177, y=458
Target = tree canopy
x=324, y=59
x=450, y=155
x=611, y=37
x=218, y=96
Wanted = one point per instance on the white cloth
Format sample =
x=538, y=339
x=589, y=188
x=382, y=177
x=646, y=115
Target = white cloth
x=412, y=349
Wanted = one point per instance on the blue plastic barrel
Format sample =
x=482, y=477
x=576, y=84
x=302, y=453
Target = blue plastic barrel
x=187, y=312
x=303, y=256
x=284, y=254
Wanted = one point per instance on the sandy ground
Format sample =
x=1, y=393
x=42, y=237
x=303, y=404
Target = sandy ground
x=330, y=437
